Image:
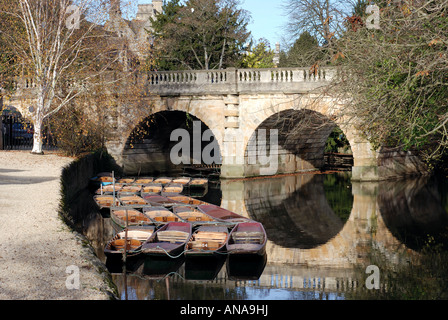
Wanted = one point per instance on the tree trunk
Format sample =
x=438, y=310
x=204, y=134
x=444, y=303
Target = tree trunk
x=221, y=59
x=37, y=137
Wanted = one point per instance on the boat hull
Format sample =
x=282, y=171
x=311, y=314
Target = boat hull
x=246, y=249
x=247, y=238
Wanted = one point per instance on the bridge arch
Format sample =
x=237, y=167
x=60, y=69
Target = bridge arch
x=146, y=149
x=304, y=124
x=296, y=141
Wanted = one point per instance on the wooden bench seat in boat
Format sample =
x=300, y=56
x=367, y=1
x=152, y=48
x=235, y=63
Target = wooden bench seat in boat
x=134, y=216
x=192, y=216
x=132, y=200
x=132, y=244
x=241, y=237
x=106, y=201
x=172, y=236
x=208, y=240
x=136, y=234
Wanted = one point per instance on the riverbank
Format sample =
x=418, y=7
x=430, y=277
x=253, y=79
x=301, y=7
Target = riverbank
x=40, y=256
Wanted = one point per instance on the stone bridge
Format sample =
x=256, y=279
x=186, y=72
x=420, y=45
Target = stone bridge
x=235, y=105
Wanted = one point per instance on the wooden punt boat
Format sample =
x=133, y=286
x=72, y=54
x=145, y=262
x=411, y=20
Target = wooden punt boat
x=157, y=200
x=163, y=180
x=135, y=217
x=207, y=241
x=132, y=200
x=185, y=199
x=102, y=177
x=105, y=176
x=106, y=201
x=160, y=215
x=222, y=214
x=109, y=188
x=247, y=238
x=152, y=188
x=182, y=180
x=143, y=180
x=198, y=183
x=173, y=188
x=135, y=238
x=193, y=215
x=126, y=180
x=131, y=188
x=169, y=240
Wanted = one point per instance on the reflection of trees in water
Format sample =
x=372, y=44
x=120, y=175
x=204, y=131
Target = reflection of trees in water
x=415, y=212
x=422, y=277
x=443, y=191
x=308, y=217
x=338, y=192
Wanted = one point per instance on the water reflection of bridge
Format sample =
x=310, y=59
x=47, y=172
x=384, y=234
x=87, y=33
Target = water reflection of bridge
x=288, y=277
x=292, y=282
x=303, y=228
x=307, y=279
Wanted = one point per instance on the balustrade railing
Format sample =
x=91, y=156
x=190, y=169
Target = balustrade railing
x=187, y=77
x=240, y=75
x=195, y=81
x=284, y=75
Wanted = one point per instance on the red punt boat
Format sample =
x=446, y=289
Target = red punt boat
x=247, y=238
x=222, y=214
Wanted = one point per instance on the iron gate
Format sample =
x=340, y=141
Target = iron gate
x=17, y=134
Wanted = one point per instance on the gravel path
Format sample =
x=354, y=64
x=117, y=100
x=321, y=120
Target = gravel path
x=40, y=257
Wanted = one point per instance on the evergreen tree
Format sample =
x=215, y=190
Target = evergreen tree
x=200, y=34
x=259, y=56
x=303, y=53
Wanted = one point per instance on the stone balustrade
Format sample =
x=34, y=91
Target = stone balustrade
x=226, y=81
x=235, y=81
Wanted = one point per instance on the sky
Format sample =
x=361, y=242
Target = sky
x=267, y=19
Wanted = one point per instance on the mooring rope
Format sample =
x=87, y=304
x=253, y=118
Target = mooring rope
x=173, y=257
x=136, y=252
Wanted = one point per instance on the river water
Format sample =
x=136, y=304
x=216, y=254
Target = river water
x=324, y=231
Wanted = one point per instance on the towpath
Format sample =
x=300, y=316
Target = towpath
x=40, y=257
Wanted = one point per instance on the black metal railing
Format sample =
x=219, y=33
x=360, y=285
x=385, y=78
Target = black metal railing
x=17, y=134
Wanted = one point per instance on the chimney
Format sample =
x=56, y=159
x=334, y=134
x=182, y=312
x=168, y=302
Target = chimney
x=115, y=9
x=157, y=4
x=276, y=59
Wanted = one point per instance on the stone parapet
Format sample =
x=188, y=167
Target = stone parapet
x=236, y=81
